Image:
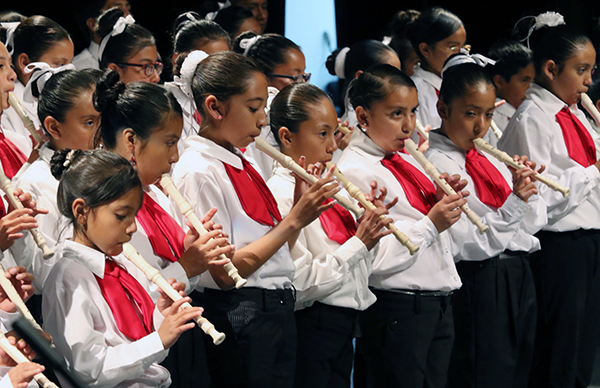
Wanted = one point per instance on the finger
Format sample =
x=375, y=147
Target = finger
x=209, y=215
x=176, y=306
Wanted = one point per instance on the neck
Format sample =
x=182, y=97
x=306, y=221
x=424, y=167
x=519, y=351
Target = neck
x=81, y=238
x=425, y=66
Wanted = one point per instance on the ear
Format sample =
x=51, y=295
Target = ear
x=91, y=24
x=359, y=72
x=425, y=50
x=52, y=127
x=213, y=107
x=116, y=68
x=550, y=69
x=443, y=110
x=362, y=115
x=499, y=81
x=129, y=140
x=286, y=137
x=173, y=59
x=22, y=62
x=80, y=211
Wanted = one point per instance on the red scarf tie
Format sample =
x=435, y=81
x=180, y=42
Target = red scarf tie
x=197, y=117
x=165, y=235
x=491, y=186
x=338, y=223
x=256, y=198
x=11, y=156
x=580, y=146
x=129, y=302
x=419, y=190
x=437, y=92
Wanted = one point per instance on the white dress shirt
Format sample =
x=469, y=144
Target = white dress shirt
x=188, y=106
x=533, y=131
x=427, y=84
x=85, y=332
x=511, y=226
x=88, y=58
x=432, y=268
x=201, y=178
x=6, y=321
x=326, y=271
x=11, y=122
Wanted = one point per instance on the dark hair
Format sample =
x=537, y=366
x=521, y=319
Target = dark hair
x=141, y=106
x=399, y=31
x=291, y=107
x=459, y=79
x=510, y=56
x=36, y=35
x=432, y=26
x=125, y=45
x=62, y=90
x=98, y=177
x=376, y=83
x=232, y=18
x=85, y=10
x=362, y=55
x=557, y=43
x=11, y=17
x=222, y=75
x=268, y=52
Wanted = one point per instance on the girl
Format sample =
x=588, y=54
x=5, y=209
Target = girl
x=332, y=256
x=36, y=39
x=105, y=341
x=408, y=332
x=127, y=48
x=231, y=94
x=400, y=41
x=236, y=20
x=494, y=311
x=190, y=34
x=552, y=131
x=435, y=36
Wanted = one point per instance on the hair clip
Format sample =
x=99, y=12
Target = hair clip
x=69, y=159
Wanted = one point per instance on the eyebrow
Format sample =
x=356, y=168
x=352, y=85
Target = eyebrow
x=480, y=107
x=255, y=99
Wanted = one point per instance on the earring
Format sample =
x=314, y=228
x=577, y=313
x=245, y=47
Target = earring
x=132, y=160
x=219, y=117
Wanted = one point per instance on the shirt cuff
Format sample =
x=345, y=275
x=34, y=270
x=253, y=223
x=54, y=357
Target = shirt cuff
x=153, y=349
x=515, y=207
x=7, y=319
x=5, y=381
x=593, y=174
x=352, y=252
x=427, y=229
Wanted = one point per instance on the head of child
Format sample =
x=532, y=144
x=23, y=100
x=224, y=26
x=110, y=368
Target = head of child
x=513, y=71
x=385, y=101
x=400, y=41
x=193, y=33
x=467, y=102
x=87, y=13
x=7, y=77
x=100, y=193
x=304, y=123
x=564, y=60
x=259, y=8
x=435, y=35
x=141, y=122
x=231, y=94
x=132, y=53
x=236, y=20
x=348, y=63
x=40, y=39
x=66, y=109
x=280, y=59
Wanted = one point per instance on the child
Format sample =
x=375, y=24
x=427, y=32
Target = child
x=332, y=256
x=407, y=334
x=105, y=341
x=231, y=94
x=400, y=41
x=550, y=129
x=127, y=48
x=237, y=20
x=435, y=36
x=494, y=311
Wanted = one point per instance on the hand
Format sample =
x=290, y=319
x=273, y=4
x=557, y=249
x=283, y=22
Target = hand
x=370, y=227
x=447, y=211
x=12, y=224
x=20, y=344
x=176, y=318
x=342, y=139
x=454, y=181
x=523, y=182
x=21, y=280
x=378, y=200
x=424, y=141
x=164, y=302
x=22, y=374
x=204, y=251
x=27, y=201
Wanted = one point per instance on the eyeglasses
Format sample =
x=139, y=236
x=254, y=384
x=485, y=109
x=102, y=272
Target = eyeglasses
x=295, y=78
x=148, y=68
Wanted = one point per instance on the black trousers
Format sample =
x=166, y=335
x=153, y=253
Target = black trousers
x=406, y=340
x=325, y=351
x=260, y=348
x=567, y=277
x=494, y=324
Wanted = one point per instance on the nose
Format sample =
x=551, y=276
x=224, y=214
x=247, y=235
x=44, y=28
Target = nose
x=587, y=81
x=481, y=124
x=12, y=76
x=155, y=77
x=331, y=144
x=261, y=14
x=131, y=229
x=262, y=120
x=175, y=155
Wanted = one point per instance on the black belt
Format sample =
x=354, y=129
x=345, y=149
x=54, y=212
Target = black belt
x=417, y=292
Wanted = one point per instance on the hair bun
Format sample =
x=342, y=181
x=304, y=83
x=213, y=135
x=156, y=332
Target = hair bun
x=107, y=21
x=237, y=45
x=108, y=90
x=62, y=160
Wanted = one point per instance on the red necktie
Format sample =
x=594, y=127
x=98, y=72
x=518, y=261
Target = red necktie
x=419, y=190
x=165, y=235
x=129, y=302
x=491, y=186
x=437, y=92
x=578, y=140
x=338, y=223
x=256, y=198
x=11, y=156
x=197, y=117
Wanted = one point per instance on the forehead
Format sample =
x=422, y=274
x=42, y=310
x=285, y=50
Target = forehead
x=400, y=95
x=480, y=94
x=247, y=3
x=584, y=54
x=4, y=52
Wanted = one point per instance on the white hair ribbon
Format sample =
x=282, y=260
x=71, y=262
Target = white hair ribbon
x=10, y=35
x=546, y=19
x=340, y=62
x=212, y=15
x=188, y=68
x=118, y=29
x=247, y=43
x=477, y=59
x=41, y=73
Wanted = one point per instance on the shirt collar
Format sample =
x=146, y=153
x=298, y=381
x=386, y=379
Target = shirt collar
x=46, y=153
x=506, y=109
x=429, y=77
x=212, y=150
x=443, y=143
x=362, y=144
x=90, y=258
x=94, y=50
x=547, y=101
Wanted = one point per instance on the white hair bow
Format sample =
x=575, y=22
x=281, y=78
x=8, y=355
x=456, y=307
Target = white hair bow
x=546, y=19
x=118, y=29
x=247, y=44
x=212, y=15
x=477, y=59
x=188, y=68
x=10, y=35
x=340, y=62
x=41, y=74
